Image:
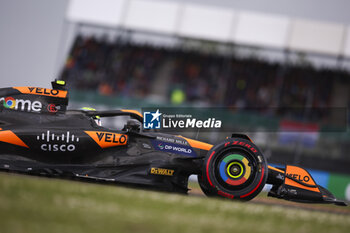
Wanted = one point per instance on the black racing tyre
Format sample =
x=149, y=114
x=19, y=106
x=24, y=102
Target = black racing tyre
x=204, y=185
x=235, y=169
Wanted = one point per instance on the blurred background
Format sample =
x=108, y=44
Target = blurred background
x=281, y=65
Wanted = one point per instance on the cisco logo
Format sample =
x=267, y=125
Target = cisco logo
x=58, y=142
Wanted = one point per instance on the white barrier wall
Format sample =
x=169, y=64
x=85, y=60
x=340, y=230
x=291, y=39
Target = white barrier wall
x=261, y=29
x=314, y=36
x=155, y=16
x=346, y=51
x=101, y=12
x=206, y=22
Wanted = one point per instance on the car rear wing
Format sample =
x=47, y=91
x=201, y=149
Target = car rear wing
x=35, y=99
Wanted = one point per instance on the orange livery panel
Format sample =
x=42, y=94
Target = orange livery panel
x=108, y=139
x=10, y=137
x=42, y=91
x=296, y=173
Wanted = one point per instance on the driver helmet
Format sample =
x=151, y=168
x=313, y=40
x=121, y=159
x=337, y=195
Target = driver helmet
x=97, y=119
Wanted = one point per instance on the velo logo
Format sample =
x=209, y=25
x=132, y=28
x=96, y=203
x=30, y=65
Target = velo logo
x=108, y=139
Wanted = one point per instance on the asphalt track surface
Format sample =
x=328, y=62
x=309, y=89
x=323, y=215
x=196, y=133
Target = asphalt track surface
x=328, y=208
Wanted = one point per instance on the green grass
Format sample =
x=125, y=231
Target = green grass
x=32, y=204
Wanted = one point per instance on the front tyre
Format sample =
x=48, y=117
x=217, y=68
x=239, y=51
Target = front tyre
x=234, y=168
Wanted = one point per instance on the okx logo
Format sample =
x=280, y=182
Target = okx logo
x=151, y=120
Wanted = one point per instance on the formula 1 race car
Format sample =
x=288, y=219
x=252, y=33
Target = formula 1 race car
x=39, y=136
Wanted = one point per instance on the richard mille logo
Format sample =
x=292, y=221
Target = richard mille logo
x=57, y=142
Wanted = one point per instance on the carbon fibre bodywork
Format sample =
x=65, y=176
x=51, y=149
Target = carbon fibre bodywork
x=71, y=144
x=39, y=136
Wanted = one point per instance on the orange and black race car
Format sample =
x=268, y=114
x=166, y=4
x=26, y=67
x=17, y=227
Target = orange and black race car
x=39, y=136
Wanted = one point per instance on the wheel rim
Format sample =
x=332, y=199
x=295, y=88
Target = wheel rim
x=234, y=169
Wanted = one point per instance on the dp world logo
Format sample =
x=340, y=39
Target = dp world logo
x=151, y=120
x=161, y=146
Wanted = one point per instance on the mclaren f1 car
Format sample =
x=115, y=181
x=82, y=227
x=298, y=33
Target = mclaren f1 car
x=39, y=136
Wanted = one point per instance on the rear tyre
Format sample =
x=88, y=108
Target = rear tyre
x=235, y=169
x=204, y=186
